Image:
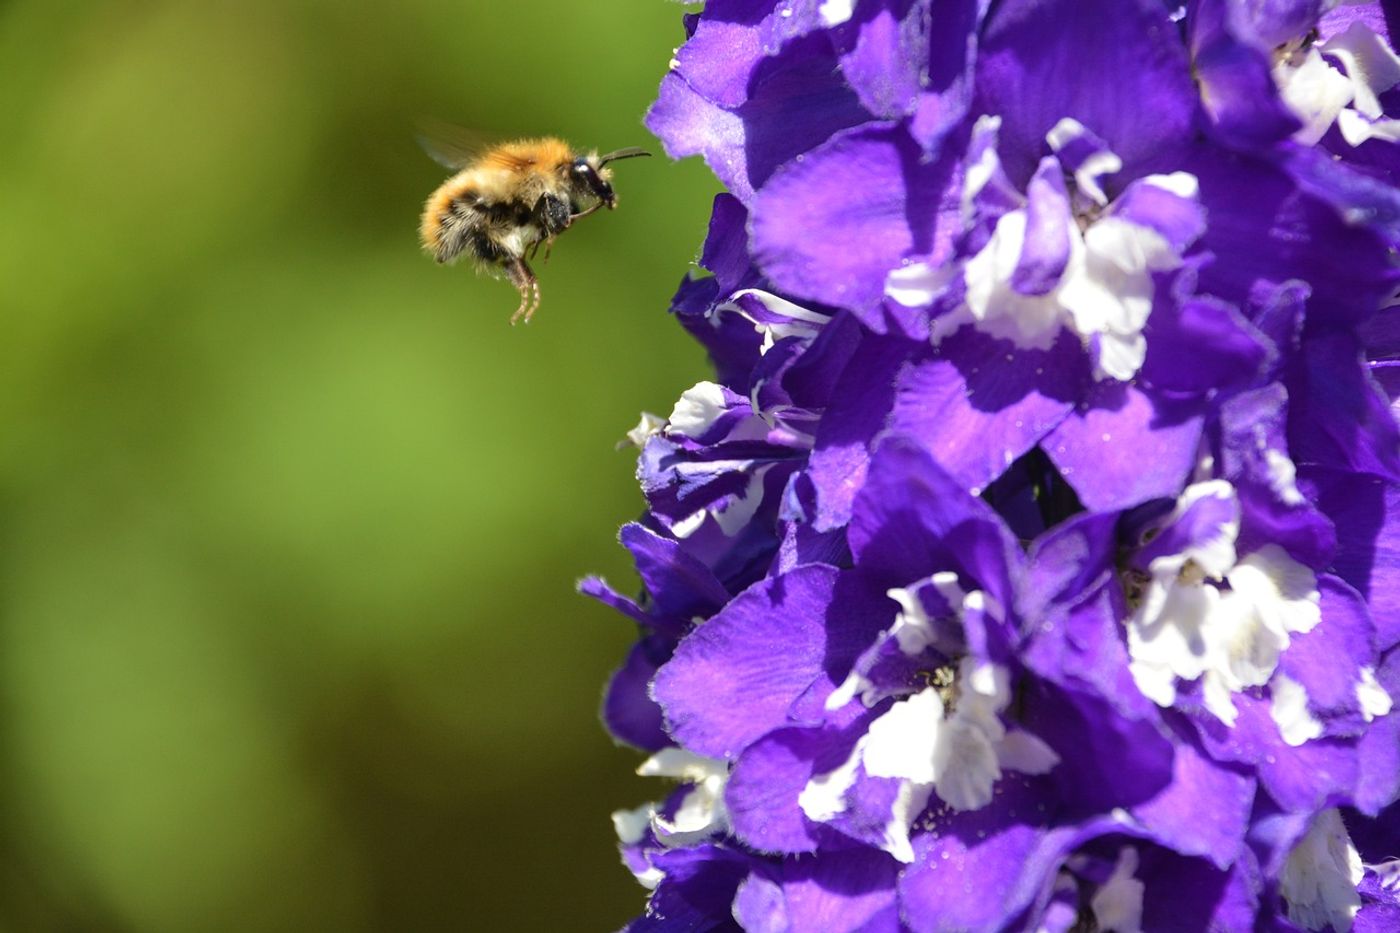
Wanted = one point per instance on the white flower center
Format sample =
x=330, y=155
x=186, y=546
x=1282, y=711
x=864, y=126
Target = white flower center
x=1320, y=94
x=960, y=752
x=1103, y=293
x=1190, y=627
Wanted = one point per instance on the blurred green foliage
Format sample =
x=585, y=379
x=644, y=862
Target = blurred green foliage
x=290, y=517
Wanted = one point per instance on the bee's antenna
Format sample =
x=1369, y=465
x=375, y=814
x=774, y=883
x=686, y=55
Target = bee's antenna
x=631, y=152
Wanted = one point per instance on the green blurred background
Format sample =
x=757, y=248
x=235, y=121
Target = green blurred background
x=290, y=518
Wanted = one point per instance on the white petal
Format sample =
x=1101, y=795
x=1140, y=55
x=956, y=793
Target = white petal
x=1182, y=184
x=1027, y=753
x=1283, y=591
x=908, y=804
x=1289, y=709
x=824, y=797
x=1086, y=177
x=734, y=516
x=979, y=174
x=697, y=409
x=1371, y=66
x=912, y=628
x=1356, y=129
x=675, y=762
x=918, y=284
x=1117, y=904
x=1216, y=554
x=1315, y=92
x=1283, y=477
x=631, y=825
x=1320, y=877
x=966, y=766
x=648, y=426
x=836, y=12
x=1371, y=695
x=902, y=742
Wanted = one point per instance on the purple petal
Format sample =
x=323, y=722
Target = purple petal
x=1378, y=786
x=736, y=677
x=1237, y=86
x=794, y=100
x=1180, y=220
x=1200, y=346
x=1366, y=510
x=977, y=870
x=857, y=412
x=1339, y=416
x=696, y=892
x=1107, y=759
x=1206, y=518
x=831, y=227
x=1327, y=661
x=769, y=777
x=1123, y=447
x=597, y=588
x=1264, y=231
x=1218, y=900
x=726, y=249
x=841, y=892
x=1069, y=562
x=1175, y=818
x=1299, y=779
x=1361, y=200
x=679, y=584
x=1045, y=252
x=688, y=125
x=882, y=66
x=980, y=403
x=912, y=519
x=1116, y=66
x=629, y=712
x=1254, y=457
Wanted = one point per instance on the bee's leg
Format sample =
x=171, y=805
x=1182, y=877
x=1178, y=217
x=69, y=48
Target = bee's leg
x=573, y=217
x=523, y=278
x=552, y=215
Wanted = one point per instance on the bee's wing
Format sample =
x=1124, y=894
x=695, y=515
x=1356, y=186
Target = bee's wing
x=448, y=144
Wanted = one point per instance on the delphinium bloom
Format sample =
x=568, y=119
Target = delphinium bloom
x=1031, y=558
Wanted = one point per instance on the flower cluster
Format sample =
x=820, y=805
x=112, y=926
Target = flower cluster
x=1032, y=561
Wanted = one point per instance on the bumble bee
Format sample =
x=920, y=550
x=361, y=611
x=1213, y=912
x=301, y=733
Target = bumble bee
x=508, y=199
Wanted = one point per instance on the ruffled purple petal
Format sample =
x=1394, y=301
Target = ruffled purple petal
x=912, y=519
x=736, y=677
x=1116, y=66
x=629, y=712
x=843, y=892
x=1338, y=415
x=980, y=403
x=872, y=198
x=1174, y=818
x=1123, y=447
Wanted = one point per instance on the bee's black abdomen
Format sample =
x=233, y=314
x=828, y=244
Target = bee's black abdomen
x=484, y=248
x=459, y=225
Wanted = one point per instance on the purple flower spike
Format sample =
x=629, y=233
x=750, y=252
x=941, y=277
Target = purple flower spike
x=1031, y=559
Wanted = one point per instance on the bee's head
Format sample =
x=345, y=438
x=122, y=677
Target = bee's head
x=591, y=174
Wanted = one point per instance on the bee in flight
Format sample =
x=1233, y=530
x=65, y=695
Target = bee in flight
x=508, y=199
